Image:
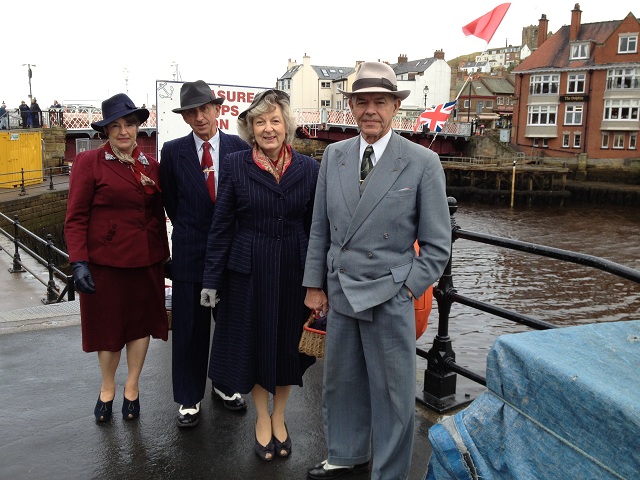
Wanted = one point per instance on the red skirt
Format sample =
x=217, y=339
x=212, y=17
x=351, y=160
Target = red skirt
x=128, y=305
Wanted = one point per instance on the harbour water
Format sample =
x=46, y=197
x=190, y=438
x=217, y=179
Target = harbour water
x=561, y=293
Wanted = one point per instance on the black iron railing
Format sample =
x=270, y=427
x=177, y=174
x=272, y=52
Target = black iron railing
x=52, y=253
x=440, y=378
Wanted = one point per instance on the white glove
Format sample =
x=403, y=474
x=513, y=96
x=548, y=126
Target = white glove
x=208, y=297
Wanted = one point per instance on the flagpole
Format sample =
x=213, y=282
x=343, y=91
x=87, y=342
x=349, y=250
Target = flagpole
x=468, y=79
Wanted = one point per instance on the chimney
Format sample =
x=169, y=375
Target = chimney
x=438, y=54
x=575, y=23
x=543, y=29
x=402, y=59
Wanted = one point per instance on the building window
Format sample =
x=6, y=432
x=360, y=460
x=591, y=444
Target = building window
x=535, y=142
x=500, y=101
x=618, y=141
x=545, y=143
x=285, y=84
x=339, y=105
x=628, y=43
x=633, y=141
x=480, y=105
x=605, y=140
x=466, y=104
x=579, y=51
x=623, y=78
x=489, y=104
x=565, y=140
x=325, y=103
x=573, y=114
x=575, y=83
x=544, y=84
x=542, y=115
x=577, y=139
x=325, y=84
x=621, y=109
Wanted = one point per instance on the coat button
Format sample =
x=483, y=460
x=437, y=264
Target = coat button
x=370, y=255
x=386, y=235
x=341, y=270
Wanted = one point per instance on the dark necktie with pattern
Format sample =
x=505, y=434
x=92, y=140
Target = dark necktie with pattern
x=367, y=165
x=207, y=167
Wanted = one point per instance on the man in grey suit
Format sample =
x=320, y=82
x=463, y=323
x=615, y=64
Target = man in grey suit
x=188, y=167
x=367, y=216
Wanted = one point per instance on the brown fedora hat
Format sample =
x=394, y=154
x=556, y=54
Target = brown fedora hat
x=196, y=94
x=376, y=77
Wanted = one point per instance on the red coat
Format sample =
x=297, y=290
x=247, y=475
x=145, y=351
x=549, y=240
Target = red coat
x=110, y=220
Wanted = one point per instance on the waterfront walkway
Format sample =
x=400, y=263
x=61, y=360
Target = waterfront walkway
x=49, y=386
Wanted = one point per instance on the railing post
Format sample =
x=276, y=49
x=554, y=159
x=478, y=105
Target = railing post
x=439, y=392
x=23, y=191
x=52, y=288
x=51, y=187
x=17, y=265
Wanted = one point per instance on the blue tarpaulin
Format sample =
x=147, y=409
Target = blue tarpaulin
x=560, y=404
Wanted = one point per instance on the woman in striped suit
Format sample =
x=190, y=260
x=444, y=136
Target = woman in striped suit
x=255, y=259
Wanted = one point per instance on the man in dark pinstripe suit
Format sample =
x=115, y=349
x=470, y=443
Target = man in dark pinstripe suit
x=189, y=205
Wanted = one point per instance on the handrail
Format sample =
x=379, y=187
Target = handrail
x=54, y=295
x=439, y=392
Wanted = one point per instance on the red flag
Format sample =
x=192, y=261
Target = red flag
x=485, y=26
x=435, y=117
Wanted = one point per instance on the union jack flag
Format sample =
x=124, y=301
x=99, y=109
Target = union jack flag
x=435, y=117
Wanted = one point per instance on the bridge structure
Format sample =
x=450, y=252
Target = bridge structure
x=321, y=124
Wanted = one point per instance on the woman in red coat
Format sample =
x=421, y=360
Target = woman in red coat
x=116, y=236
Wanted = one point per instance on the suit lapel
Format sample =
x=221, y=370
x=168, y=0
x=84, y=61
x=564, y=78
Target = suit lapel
x=349, y=170
x=383, y=176
x=293, y=174
x=118, y=169
x=189, y=163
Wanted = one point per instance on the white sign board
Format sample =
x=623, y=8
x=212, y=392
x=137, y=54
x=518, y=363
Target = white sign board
x=170, y=125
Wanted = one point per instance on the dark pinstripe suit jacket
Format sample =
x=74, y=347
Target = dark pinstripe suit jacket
x=187, y=202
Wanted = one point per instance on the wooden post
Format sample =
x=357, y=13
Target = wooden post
x=513, y=183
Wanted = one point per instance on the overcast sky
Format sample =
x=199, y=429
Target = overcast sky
x=84, y=52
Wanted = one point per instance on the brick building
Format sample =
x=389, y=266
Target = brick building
x=579, y=91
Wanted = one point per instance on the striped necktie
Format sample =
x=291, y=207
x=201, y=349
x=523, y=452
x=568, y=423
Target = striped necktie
x=367, y=165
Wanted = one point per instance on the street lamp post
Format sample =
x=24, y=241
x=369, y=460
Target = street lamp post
x=126, y=80
x=426, y=95
x=29, y=74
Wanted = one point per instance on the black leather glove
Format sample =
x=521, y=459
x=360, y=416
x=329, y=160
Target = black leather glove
x=82, y=277
x=167, y=269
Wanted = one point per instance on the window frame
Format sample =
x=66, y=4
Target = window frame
x=544, y=84
x=573, y=114
x=550, y=112
x=579, y=51
x=624, y=38
x=574, y=79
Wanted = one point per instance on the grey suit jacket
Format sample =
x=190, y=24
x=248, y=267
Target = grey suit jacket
x=364, y=246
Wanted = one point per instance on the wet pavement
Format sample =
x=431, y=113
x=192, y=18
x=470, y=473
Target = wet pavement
x=49, y=386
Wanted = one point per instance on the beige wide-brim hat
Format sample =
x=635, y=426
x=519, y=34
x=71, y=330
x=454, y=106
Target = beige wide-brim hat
x=376, y=77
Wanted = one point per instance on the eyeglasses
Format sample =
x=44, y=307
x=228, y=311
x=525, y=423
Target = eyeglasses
x=280, y=95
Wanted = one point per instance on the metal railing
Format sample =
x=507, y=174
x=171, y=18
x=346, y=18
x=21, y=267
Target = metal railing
x=23, y=180
x=54, y=294
x=307, y=118
x=439, y=392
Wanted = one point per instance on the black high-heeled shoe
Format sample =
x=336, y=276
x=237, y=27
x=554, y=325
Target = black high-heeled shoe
x=102, y=411
x=265, y=452
x=131, y=408
x=283, y=449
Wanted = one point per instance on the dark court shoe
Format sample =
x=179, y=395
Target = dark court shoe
x=234, y=403
x=187, y=420
x=283, y=449
x=131, y=408
x=265, y=452
x=102, y=411
x=319, y=472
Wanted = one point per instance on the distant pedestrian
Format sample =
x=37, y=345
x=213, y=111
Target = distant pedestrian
x=36, y=114
x=55, y=113
x=25, y=114
x=3, y=116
